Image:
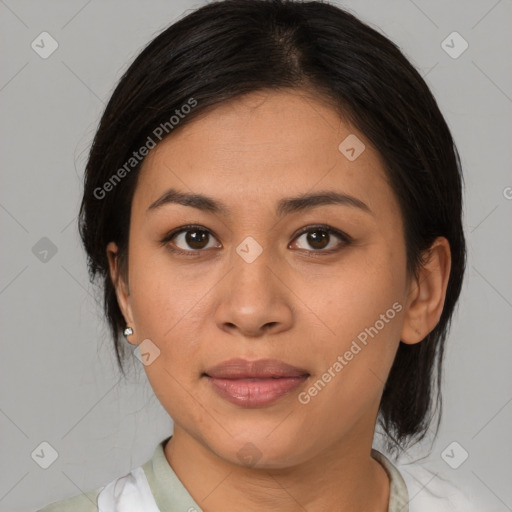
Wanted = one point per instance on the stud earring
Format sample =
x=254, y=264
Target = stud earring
x=128, y=331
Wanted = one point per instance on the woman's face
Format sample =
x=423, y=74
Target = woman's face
x=250, y=284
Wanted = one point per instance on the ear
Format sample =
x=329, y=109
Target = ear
x=120, y=284
x=427, y=293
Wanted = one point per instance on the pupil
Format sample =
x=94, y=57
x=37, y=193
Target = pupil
x=317, y=240
x=194, y=240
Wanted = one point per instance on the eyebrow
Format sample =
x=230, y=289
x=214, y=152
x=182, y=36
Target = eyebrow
x=284, y=206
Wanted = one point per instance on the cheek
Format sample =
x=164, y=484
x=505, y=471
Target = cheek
x=167, y=309
x=365, y=306
x=160, y=296
x=364, y=289
x=353, y=364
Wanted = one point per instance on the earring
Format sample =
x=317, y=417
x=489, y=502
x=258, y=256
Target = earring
x=128, y=331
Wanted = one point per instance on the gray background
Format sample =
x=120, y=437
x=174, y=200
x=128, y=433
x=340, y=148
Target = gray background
x=59, y=381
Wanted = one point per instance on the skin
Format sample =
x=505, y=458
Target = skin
x=287, y=304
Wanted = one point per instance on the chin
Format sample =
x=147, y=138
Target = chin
x=261, y=451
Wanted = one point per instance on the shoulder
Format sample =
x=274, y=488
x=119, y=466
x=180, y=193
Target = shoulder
x=128, y=492
x=86, y=502
x=131, y=491
x=432, y=489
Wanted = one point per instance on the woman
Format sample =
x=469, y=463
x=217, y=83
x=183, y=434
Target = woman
x=273, y=206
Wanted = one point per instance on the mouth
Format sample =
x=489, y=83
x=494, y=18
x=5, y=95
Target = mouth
x=254, y=383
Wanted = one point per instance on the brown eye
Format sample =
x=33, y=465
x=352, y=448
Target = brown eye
x=196, y=239
x=190, y=239
x=320, y=238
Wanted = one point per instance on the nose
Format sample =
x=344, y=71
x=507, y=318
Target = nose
x=254, y=299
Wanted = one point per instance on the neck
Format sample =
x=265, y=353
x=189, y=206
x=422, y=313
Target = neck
x=345, y=477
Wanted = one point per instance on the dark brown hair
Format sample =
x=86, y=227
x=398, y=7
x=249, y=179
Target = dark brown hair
x=228, y=48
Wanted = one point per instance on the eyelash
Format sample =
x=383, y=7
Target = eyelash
x=345, y=239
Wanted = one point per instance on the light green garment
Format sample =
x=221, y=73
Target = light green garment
x=170, y=494
x=82, y=503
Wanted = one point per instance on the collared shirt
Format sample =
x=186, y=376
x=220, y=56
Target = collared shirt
x=155, y=487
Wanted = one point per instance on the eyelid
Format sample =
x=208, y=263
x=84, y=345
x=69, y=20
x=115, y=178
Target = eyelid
x=183, y=229
x=324, y=227
x=344, y=237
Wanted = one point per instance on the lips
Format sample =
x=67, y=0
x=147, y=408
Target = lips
x=259, y=369
x=254, y=383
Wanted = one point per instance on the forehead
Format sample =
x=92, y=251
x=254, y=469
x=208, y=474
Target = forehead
x=265, y=145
